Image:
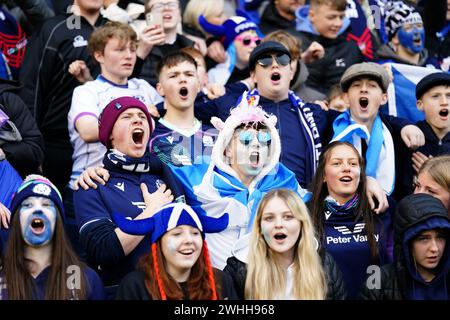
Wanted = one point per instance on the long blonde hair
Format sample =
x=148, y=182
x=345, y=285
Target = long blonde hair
x=266, y=278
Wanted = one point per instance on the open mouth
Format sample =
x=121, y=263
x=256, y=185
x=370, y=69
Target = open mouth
x=37, y=226
x=417, y=41
x=346, y=179
x=443, y=113
x=187, y=252
x=275, y=76
x=138, y=136
x=280, y=236
x=184, y=92
x=254, y=159
x=363, y=102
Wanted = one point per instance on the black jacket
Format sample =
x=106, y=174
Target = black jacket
x=26, y=155
x=271, y=20
x=47, y=85
x=237, y=270
x=339, y=55
x=132, y=287
x=433, y=147
x=414, y=214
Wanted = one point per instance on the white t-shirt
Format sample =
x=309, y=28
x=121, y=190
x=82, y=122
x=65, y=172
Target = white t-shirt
x=89, y=99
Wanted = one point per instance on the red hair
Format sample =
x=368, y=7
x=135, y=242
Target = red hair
x=160, y=285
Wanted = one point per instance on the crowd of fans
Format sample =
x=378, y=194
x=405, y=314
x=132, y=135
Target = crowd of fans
x=218, y=149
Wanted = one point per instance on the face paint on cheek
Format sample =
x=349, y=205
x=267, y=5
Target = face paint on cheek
x=407, y=39
x=38, y=225
x=266, y=234
x=172, y=245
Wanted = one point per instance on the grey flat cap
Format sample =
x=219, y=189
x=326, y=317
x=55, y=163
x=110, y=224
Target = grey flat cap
x=365, y=69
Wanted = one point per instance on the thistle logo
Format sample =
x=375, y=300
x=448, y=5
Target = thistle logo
x=359, y=227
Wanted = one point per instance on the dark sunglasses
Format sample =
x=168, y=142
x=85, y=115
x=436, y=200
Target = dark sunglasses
x=246, y=137
x=282, y=59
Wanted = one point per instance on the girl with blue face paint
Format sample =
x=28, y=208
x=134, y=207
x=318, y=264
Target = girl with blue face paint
x=37, y=243
x=37, y=220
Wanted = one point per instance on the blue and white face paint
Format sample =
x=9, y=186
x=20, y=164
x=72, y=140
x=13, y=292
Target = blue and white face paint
x=37, y=220
x=412, y=37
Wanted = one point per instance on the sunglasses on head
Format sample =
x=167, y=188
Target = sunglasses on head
x=247, y=40
x=282, y=59
x=246, y=137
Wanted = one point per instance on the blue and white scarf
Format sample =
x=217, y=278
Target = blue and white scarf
x=309, y=127
x=122, y=161
x=380, y=158
x=213, y=192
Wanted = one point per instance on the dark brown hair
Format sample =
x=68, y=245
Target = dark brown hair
x=18, y=278
x=320, y=192
x=174, y=59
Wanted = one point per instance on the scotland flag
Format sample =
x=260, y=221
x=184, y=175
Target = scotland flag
x=402, y=91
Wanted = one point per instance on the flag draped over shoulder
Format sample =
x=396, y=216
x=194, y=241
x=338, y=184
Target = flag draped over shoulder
x=211, y=192
x=401, y=92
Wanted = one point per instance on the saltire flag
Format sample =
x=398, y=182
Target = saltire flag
x=402, y=91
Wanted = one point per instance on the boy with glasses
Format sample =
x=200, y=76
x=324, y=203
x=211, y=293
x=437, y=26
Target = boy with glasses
x=157, y=41
x=302, y=126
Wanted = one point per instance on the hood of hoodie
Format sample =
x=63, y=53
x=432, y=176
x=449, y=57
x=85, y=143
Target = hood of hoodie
x=304, y=24
x=246, y=111
x=300, y=76
x=385, y=52
x=413, y=217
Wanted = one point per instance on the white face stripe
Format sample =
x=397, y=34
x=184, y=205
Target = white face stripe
x=176, y=213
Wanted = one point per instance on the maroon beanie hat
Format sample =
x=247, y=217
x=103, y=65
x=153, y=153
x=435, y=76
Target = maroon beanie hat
x=112, y=111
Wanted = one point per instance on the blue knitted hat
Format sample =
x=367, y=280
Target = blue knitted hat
x=230, y=29
x=37, y=186
x=168, y=218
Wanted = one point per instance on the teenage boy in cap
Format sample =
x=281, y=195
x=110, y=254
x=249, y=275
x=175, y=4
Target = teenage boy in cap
x=113, y=46
x=301, y=126
x=364, y=86
x=136, y=188
x=433, y=98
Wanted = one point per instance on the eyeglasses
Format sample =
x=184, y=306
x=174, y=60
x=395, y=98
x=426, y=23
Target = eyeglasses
x=281, y=58
x=246, y=40
x=160, y=6
x=246, y=137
